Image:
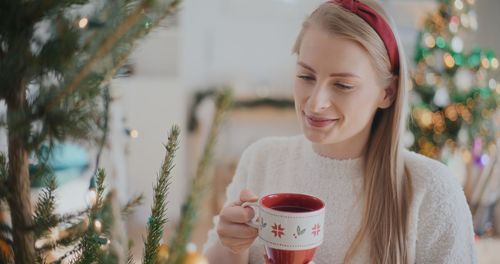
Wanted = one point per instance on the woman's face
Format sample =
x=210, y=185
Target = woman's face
x=337, y=91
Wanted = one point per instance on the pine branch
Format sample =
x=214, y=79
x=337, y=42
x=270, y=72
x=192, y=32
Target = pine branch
x=138, y=32
x=71, y=217
x=64, y=113
x=86, y=250
x=39, y=10
x=192, y=204
x=56, y=53
x=77, y=119
x=131, y=204
x=50, y=7
x=63, y=242
x=104, y=48
x=74, y=234
x=45, y=217
x=84, y=236
x=91, y=240
x=158, y=218
x=75, y=237
x=101, y=176
x=143, y=25
x=112, y=227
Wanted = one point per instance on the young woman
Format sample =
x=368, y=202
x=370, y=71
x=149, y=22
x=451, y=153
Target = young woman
x=384, y=204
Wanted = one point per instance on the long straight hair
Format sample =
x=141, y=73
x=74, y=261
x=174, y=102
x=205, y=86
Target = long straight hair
x=387, y=184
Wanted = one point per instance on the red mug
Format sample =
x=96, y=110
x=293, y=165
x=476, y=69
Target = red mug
x=290, y=226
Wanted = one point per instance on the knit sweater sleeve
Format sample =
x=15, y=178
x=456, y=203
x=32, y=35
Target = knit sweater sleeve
x=445, y=232
x=238, y=182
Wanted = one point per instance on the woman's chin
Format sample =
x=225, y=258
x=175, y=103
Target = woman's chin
x=317, y=138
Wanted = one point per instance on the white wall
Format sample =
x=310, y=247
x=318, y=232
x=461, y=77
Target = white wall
x=247, y=43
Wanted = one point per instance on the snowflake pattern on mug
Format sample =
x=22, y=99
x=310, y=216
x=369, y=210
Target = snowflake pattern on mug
x=316, y=229
x=278, y=230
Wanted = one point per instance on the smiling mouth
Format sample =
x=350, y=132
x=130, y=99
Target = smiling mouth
x=315, y=121
x=318, y=119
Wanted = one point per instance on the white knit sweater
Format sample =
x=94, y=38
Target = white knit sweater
x=441, y=229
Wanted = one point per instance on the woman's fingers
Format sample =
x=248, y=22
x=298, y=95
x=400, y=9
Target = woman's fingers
x=237, y=231
x=233, y=231
x=236, y=214
x=236, y=245
x=235, y=240
x=248, y=196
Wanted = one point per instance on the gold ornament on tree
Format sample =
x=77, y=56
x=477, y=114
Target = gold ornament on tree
x=192, y=256
x=162, y=255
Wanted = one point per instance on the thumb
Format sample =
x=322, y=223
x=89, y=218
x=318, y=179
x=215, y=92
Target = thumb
x=248, y=196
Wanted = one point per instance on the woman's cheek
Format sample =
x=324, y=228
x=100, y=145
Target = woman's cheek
x=302, y=91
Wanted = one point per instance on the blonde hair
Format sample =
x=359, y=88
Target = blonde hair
x=387, y=184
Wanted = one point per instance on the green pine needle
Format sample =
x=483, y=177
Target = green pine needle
x=45, y=217
x=70, y=218
x=75, y=233
x=101, y=176
x=92, y=240
x=131, y=204
x=158, y=218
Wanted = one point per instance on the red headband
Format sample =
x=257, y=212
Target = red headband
x=378, y=23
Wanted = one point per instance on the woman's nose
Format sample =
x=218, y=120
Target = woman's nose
x=319, y=99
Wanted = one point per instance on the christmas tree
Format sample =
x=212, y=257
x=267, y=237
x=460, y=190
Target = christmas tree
x=57, y=59
x=455, y=95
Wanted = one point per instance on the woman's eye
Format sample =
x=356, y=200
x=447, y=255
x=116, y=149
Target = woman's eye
x=306, y=77
x=344, y=86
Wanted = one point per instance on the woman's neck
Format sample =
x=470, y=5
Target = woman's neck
x=338, y=151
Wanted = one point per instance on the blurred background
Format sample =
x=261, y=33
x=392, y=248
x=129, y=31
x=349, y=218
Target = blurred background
x=246, y=45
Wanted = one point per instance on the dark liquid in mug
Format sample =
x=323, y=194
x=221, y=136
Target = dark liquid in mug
x=291, y=208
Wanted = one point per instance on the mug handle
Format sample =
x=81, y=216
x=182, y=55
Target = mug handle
x=255, y=207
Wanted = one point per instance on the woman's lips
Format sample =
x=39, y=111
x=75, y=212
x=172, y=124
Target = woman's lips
x=319, y=121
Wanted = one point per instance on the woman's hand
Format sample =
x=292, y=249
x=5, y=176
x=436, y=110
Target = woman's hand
x=233, y=231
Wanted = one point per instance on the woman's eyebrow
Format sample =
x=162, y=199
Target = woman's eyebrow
x=342, y=74
x=304, y=65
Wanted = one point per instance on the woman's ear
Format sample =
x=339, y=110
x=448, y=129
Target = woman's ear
x=389, y=94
